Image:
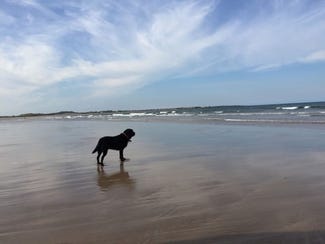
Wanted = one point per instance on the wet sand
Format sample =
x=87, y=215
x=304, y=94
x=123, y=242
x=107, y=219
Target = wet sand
x=185, y=183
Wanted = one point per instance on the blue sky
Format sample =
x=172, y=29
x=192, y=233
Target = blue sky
x=97, y=55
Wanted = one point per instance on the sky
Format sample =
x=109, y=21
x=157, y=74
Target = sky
x=98, y=55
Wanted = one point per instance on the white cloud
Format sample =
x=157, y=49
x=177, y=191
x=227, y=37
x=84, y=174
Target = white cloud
x=280, y=38
x=314, y=57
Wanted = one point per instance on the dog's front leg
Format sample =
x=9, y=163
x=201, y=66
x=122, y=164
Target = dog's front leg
x=121, y=156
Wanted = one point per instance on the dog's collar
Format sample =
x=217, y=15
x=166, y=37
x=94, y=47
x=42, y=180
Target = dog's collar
x=126, y=137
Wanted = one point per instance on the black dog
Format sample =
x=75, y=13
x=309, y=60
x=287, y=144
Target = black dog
x=113, y=142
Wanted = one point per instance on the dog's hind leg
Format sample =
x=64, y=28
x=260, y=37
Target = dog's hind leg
x=98, y=156
x=103, y=156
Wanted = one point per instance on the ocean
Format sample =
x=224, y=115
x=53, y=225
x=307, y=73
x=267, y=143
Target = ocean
x=291, y=113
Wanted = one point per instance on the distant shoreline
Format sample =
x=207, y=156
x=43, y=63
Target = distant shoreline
x=157, y=110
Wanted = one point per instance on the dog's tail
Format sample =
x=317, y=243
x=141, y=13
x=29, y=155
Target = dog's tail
x=96, y=149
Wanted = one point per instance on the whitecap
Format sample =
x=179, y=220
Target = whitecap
x=289, y=108
x=120, y=115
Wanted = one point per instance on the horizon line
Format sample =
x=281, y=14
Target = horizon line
x=31, y=114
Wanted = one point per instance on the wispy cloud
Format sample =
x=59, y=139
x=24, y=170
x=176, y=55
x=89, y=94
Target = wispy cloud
x=317, y=56
x=121, y=46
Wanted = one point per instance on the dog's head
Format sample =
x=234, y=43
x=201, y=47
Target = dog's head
x=129, y=133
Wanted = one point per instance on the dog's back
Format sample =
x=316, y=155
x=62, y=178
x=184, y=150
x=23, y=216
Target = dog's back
x=110, y=142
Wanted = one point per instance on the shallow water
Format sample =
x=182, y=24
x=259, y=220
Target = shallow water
x=184, y=182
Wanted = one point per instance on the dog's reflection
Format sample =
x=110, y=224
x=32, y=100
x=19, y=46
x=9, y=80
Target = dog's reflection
x=121, y=178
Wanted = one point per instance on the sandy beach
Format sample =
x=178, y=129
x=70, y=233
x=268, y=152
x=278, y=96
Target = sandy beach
x=184, y=183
